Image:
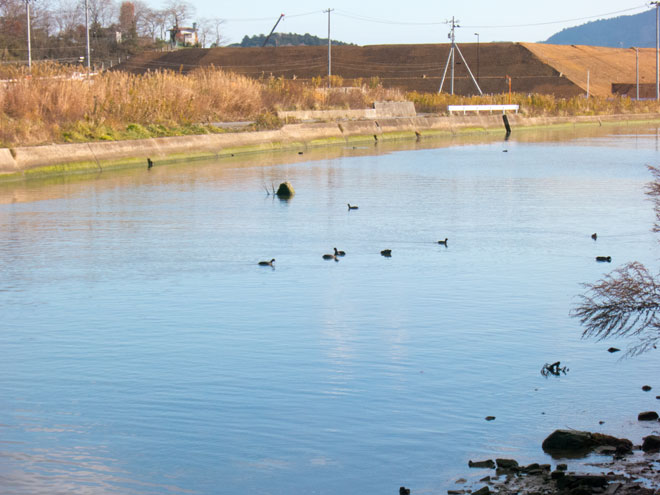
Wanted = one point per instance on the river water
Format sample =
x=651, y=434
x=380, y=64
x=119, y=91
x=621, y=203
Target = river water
x=144, y=351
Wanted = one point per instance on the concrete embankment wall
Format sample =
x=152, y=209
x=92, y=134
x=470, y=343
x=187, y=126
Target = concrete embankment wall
x=37, y=161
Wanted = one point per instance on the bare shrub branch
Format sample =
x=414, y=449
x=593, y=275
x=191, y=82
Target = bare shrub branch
x=624, y=303
x=653, y=190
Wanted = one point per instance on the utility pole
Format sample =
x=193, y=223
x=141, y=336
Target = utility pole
x=452, y=35
x=588, y=77
x=637, y=71
x=657, y=50
x=89, y=62
x=454, y=48
x=477, y=35
x=329, y=48
x=29, y=43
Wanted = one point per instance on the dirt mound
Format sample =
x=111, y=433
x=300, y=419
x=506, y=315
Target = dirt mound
x=533, y=68
x=605, y=66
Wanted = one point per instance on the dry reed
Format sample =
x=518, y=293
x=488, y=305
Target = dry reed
x=53, y=105
x=57, y=104
x=537, y=104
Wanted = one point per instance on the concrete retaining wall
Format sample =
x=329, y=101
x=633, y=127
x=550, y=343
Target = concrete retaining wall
x=381, y=110
x=56, y=159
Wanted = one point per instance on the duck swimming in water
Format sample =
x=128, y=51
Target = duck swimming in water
x=607, y=259
x=267, y=263
x=386, y=252
x=594, y=236
x=354, y=207
x=339, y=253
x=443, y=243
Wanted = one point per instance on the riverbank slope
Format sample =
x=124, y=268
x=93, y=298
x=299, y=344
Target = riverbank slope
x=22, y=163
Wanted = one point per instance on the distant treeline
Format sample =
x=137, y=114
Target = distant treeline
x=287, y=39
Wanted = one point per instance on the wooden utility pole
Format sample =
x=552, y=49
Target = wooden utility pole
x=657, y=50
x=29, y=43
x=637, y=70
x=89, y=62
x=329, y=49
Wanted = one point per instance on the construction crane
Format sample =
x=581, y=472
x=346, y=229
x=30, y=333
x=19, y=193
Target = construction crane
x=272, y=30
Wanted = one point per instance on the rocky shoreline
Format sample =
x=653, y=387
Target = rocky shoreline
x=626, y=469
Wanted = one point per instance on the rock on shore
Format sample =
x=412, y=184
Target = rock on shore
x=563, y=441
x=627, y=472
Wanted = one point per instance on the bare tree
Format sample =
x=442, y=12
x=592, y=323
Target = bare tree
x=204, y=31
x=12, y=8
x=148, y=20
x=653, y=191
x=68, y=14
x=217, y=22
x=627, y=301
x=102, y=12
x=179, y=11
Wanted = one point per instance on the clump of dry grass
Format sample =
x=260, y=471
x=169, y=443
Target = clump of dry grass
x=537, y=104
x=52, y=105
x=56, y=103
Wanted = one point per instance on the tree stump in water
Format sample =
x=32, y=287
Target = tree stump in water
x=285, y=190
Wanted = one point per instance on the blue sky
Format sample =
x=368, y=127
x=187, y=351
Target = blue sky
x=368, y=22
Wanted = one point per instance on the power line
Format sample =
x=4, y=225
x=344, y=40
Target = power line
x=252, y=19
x=562, y=21
x=351, y=15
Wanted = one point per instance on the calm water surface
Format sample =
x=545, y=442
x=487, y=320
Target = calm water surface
x=145, y=352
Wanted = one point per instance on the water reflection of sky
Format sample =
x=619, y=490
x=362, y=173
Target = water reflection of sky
x=145, y=352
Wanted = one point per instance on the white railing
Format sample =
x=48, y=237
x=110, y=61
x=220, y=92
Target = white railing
x=480, y=108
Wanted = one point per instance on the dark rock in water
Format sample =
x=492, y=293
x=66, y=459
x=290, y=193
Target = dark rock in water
x=582, y=441
x=651, y=443
x=490, y=418
x=573, y=481
x=507, y=464
x=482, y=491
x=562, y=467
x=647, y=416
x=456, y=492
x=622, y=444
x=568, y=440
x=606, y=450
x=285, y=190
x=613, y=349
x=532, y=468
x=490, y=464
x=404, y=491
x=647, y=388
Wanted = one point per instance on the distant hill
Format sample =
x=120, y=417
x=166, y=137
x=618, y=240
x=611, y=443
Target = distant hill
x=619, y=32
x=287, y=39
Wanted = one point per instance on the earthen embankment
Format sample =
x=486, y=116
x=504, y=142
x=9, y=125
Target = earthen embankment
x=21, y=163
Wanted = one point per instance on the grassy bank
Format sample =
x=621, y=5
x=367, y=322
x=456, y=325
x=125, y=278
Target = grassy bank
x=537, y=105
x=49, y=106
